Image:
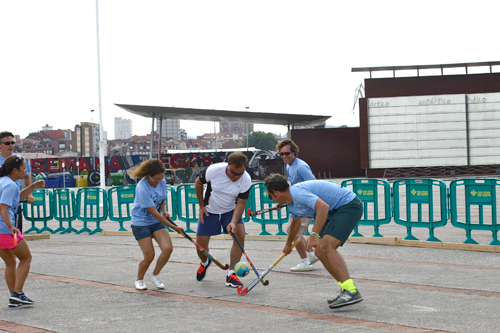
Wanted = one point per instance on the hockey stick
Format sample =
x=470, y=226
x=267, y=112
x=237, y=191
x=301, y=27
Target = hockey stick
x=264, y=282
x=263, y=211
x=242, y=291
x=201, y=249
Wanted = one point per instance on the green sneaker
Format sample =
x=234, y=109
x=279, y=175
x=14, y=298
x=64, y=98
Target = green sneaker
x=345, y=298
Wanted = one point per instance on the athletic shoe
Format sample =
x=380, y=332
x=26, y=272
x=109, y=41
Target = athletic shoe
x=345, y=298
x=13, y=304
x=156, y=280
x=312, y=258
x=202, y=271
x=302, y=266
x=233, y=281
x=140, y=285
x=20, y=298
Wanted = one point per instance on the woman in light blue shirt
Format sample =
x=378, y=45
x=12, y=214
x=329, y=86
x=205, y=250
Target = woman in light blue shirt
x=12, y=243
x=149, y=220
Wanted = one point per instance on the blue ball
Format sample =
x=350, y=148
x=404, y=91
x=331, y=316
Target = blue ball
x=242, y=269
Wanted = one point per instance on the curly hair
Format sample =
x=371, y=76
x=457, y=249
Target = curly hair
x=150, y=167
x=14, y=161
x=293, y=147
x=276, y=182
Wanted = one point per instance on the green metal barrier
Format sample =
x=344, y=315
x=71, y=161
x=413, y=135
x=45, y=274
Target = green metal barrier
x=123, y=197
x=91, y=206
x=367, y=190
x=479, y=193
x=420, y=192
x=187, y=205
x=171, y=200
x=64, y=209
x=261, y=200
x=40, y=210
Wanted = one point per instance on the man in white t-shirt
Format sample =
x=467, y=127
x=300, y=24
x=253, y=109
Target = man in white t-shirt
x=228, y=188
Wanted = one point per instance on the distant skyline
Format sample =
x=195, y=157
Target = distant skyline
x=281, y=56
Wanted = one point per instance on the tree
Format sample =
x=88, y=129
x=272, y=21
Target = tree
x=261, y=140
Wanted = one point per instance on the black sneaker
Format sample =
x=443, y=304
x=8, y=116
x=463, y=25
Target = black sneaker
x=13, y=304
x=345, y=298
x=202, y=271
x=233, y=281
x=20, y=298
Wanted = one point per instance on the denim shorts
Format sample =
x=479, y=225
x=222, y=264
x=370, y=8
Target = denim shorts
x=147, y=230
x=214, y=223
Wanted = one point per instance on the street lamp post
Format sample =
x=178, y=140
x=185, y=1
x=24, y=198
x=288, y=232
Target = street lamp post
x=247, y=126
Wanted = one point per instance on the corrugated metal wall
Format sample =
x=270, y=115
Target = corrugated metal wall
x=330, y=152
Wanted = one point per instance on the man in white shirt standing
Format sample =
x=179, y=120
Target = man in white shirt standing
x=228, y=188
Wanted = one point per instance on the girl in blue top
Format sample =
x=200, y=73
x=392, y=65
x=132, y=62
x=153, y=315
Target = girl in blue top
x=12, y=243
x=149, y=219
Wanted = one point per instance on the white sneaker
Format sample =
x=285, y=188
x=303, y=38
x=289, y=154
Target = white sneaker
x=302, y=266
x=156, y=280
x=139, y=285
x=312, y=258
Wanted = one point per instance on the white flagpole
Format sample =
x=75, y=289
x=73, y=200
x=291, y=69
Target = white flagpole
x=102, y=143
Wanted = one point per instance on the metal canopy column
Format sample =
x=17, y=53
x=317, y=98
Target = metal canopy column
x=152, y=135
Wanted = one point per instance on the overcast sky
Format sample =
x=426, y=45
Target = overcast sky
x=271, y=56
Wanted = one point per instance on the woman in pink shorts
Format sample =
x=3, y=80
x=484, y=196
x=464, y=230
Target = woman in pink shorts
x=12, y=243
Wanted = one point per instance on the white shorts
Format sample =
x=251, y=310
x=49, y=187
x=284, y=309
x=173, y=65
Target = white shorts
x=304, y=224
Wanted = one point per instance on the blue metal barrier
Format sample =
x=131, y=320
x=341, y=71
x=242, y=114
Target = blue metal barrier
x=480, y=193
x=420, y=192
x=367, y=190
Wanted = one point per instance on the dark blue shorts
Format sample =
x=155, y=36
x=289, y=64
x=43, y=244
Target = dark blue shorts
x=146, y=231
x=341, y=221
x=214, y=224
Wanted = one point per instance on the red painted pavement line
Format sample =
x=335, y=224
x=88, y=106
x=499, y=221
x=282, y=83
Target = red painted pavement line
x=18, y=328
x=231, y=304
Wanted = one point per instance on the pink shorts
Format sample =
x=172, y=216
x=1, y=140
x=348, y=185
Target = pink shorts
x=7, y=241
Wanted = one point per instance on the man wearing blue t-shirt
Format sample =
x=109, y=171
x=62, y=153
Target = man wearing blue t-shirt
x=298, y=171
x=6, y=150
x=337, y=211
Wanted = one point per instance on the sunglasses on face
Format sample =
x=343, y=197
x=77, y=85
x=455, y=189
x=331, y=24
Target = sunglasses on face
x=285, y=153
x=236, y=173
x=8, y=143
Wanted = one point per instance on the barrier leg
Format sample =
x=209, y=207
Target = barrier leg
x=356, y=233
x=264, y=232
x=69, y=229
x=280, y=230
x=495, y=240
x=377, y=231
x=33, y=228
x=84, y=229
x=409, y=236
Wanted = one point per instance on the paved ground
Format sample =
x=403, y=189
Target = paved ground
x=85, y=283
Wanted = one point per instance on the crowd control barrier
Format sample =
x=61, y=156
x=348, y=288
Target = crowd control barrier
x=278, y=217
x=91, y=206
x=187, y=205
x=480, y=194
x=64, y=209
x=420, y=192
x=121, y=197
x=367, y=191
x=39, y=211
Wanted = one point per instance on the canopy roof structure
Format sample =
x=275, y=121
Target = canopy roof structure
x=164, y=112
